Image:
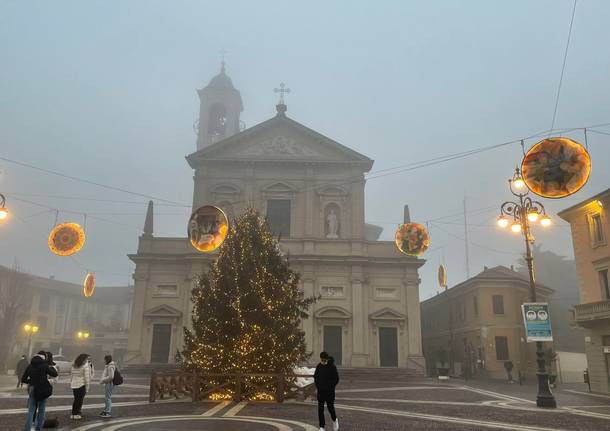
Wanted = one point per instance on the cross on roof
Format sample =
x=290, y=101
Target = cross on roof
x=282, y=90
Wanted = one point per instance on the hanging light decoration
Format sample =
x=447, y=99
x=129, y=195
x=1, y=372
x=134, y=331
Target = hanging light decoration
x=208, y=228
x=89, y=285
x=442, y=276
x=556, y=167
x=66, y=239
x=412, y=239
x=3, y=209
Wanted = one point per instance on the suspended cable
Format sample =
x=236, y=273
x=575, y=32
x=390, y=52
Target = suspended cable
x=94, y=183
x=563, y=68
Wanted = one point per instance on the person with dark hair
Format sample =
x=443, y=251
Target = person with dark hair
x=39, y=388
x=20, y=369
x=107, y=380
x=326, y=378
x=79, y=382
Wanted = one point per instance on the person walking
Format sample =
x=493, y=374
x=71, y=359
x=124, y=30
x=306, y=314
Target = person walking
x=107, y=380
x=79, y=382
x=39, y=388
x=326, y=378
x=20, y=369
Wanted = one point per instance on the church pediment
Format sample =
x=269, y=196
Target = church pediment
x=387, y=314
x=332, y=313
x=163, y=311
x=280, y=138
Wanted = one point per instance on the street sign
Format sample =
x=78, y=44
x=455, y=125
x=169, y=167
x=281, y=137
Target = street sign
x=537, y=321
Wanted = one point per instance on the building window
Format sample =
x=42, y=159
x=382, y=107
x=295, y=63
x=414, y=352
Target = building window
x=43, y=303
x=596, y=229
x=498, y=304
x=475, y=306
x=278, y=216
x=604, y=284
x=502, y=348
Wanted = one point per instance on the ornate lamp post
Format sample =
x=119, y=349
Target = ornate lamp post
x=3, y=210
x=519, y=215
x=30, y=329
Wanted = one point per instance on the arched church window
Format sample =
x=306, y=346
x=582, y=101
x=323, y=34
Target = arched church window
x=217, y=124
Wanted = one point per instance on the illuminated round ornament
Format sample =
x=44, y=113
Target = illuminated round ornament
x=208, y=228
x=556, y=167
x=412, y=239
x=89, y=285
x=66, y=239
x=442, y=276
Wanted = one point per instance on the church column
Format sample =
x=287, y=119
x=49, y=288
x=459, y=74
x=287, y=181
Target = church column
x=136, y=328
x=249, y=188
x=308, y=292
x=359, y=320
x=309, y=213
x=357, y=213
x=411, y=284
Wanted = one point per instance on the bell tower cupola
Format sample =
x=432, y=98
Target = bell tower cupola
x=220, y=107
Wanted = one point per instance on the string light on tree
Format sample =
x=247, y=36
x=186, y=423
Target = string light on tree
x=247, y=310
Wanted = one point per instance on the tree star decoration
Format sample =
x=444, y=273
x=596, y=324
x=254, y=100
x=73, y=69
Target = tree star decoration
x=66, y=239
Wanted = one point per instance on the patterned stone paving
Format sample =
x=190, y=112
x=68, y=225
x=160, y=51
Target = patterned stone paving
x=422, y=404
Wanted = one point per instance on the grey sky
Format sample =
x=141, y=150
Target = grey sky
x=105, y=90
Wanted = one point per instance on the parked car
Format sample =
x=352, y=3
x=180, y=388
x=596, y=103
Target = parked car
x=63, y=365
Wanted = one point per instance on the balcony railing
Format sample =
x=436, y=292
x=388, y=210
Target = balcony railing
x=592, y=311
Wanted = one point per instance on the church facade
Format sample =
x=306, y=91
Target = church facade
x=311, y=189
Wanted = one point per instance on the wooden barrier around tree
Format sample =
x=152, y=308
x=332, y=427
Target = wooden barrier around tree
x=237, y=387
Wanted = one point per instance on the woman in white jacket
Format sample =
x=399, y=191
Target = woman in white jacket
x=79, y=382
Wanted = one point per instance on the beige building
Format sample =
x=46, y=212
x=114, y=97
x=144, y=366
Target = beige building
x=478, y=325
x=311, y=190
x=590, y=232
x=60, y=310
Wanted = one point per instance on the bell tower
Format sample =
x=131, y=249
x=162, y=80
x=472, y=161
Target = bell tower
x=219, y=110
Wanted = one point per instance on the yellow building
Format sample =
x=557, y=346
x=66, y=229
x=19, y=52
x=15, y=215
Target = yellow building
x=590, y=232
x=478, y=326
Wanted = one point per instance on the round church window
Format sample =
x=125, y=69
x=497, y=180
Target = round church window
x=208, y=228
x=412, y=239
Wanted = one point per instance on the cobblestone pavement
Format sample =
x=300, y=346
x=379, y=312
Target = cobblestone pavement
x=420, y=404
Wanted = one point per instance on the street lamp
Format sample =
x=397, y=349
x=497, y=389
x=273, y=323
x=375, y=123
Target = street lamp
x=30, y=329
x=524, y=212
x=82, y=335
x=3, y=210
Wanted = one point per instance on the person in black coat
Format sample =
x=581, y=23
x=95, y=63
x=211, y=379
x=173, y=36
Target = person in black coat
x=326, y=379
x=20, y=369
x=39, y=388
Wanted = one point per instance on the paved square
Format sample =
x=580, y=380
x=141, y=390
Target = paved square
x=420, y=404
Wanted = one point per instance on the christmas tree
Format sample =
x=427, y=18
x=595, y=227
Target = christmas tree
x=248, y=308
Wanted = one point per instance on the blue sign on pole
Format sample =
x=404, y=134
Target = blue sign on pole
x=537, y=320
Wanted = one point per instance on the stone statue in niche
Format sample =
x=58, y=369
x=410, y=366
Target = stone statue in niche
x=332, y=224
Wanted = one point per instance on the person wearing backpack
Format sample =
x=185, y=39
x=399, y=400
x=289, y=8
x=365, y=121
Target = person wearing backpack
x=39, y=388
x=108, y=381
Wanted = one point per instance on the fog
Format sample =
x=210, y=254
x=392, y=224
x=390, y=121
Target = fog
x=106, y=91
